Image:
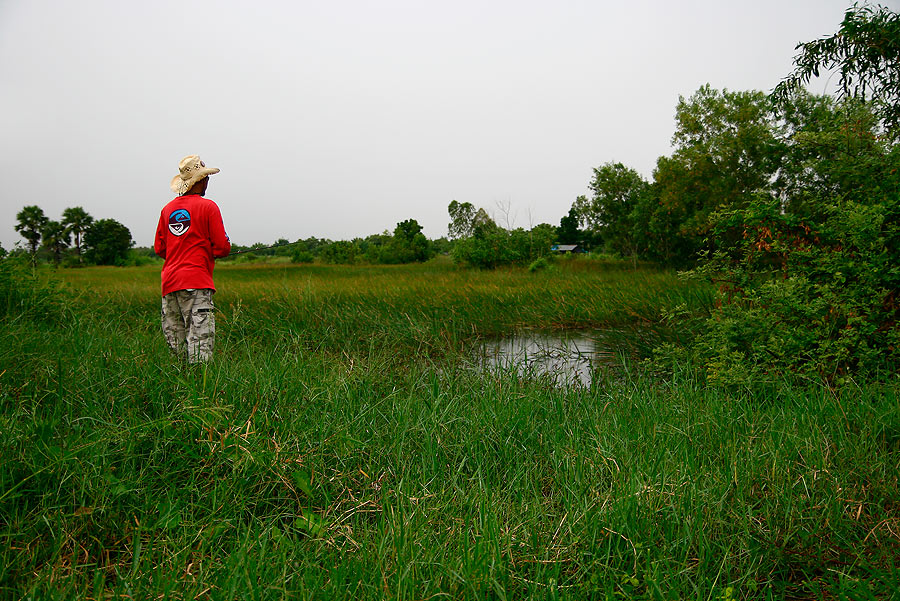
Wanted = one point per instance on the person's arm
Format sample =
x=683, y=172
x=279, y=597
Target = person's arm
x=221, y=245
x=159, y=243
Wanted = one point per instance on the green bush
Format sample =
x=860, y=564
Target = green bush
x=496, y=247
x=539, y=265
x=302, y=256
x=342, y=252
x=108, y=243
x=804, y=295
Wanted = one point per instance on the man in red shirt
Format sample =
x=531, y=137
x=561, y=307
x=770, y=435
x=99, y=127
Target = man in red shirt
x=190, y=236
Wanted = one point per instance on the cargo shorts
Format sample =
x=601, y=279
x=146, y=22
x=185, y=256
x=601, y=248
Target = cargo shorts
x=188, y=323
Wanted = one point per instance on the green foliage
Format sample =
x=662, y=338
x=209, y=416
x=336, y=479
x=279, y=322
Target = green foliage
x=793, y=214
x=808, y=270
x=282, y=248
x=609, y=215
x=540, y=264
x=76, y=221
x=301, y=253
x=27, y=294
x=107, y=242
x=568, y=232
x=407, y=245
x=726, y=151
x=374, y=248
x=342, y=252
x=442, y=245
x=466, y=221
x=462, y=216
x=341, y=447
x=31, y=222
x=833, y=150
x=814, y=296
x=55, y=239
x=143, y=255
x=493, y=247
x=865, y=51
x=481, y=243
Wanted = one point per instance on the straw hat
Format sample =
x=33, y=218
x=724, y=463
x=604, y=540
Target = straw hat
x=190, y=171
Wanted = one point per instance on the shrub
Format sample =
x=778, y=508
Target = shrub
x=342, y=252
x=108, y=242
x=539, y=265
x=495, y=247
x=804, y=296
x=302, y=256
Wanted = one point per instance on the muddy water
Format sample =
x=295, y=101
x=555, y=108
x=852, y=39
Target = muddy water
x=562, y=358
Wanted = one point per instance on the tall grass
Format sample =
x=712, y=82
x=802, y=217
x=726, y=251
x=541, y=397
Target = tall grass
x=334, y=449
x=432, y=305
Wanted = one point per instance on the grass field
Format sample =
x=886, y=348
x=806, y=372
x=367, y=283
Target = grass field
x=342, y=446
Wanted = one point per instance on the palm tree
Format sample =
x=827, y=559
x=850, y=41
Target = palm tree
x=76, y=221
x=56, y=239
x=31, y=223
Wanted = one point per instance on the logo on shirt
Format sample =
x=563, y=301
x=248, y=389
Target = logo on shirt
x=179, y=222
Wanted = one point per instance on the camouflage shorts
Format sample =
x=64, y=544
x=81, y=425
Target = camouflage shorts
x=188, y=322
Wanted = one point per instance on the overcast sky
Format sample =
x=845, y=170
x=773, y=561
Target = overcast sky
x=340, y=119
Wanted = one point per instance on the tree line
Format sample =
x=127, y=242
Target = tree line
x=789, y=203
x=406, y=244
x=74, y=239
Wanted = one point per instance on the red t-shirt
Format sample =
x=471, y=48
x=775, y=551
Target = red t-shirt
x=190, y=235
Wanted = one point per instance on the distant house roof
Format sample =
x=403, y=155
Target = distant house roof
x=566, y=248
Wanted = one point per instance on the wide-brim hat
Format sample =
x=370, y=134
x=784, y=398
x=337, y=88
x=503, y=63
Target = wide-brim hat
x=190, y=171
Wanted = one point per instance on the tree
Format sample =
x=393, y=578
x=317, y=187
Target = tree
x=56, y=239
x=493, y=246
x=282, y=248
x=342, y=252
x=441, y=246
x=374, y=247
x=568, y=232
x=483, y=224
x=813, y=296
x=301, y=253
x=31, y=225
x=481, y=243
x=408, y=244
x=407, y=230
x=76, y=221
x=833, y=150
x=865, y=51
x=726, y=151
x=808, y=276
x=107, y=242
x=607, y=215
x=461, y=219
x=541, y=238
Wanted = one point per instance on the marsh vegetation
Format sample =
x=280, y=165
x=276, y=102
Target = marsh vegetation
x=337, y=448
x=346, y=444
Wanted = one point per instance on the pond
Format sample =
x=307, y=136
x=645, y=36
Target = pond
x=567, y=358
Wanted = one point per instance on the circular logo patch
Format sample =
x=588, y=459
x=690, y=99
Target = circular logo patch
x=179, y=222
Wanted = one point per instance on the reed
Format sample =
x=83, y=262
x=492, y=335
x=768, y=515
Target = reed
x=342, y=446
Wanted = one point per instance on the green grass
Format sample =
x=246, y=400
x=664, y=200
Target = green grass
x=341, y=446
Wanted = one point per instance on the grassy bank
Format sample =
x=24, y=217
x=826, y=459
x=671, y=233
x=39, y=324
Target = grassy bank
x=340, y=447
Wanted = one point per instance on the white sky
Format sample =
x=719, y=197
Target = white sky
x=340, y=119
